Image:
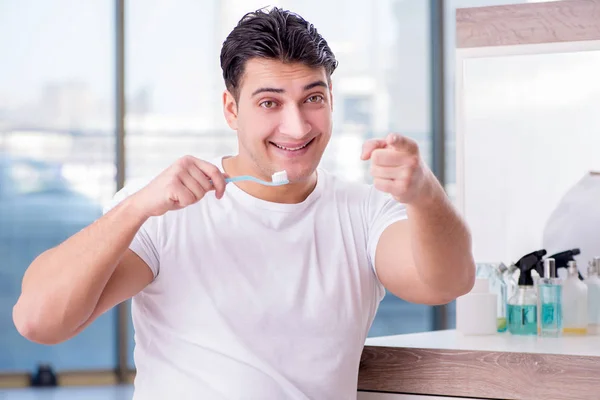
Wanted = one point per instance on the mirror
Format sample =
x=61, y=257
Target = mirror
x=528, y=131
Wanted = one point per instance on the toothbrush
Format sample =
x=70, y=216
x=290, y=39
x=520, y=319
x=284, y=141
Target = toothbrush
x=278, y=179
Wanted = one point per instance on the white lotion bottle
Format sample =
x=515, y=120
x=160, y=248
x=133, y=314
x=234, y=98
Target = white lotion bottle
x=575, y=303
x=476, y=311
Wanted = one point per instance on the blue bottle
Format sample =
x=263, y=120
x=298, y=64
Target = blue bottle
x=549, y=292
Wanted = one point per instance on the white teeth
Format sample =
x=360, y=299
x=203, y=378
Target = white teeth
x=292, y=148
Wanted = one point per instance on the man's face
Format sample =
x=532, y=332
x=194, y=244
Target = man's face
x=282, y=117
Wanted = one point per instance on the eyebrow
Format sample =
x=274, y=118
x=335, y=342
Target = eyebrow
x=279, y=90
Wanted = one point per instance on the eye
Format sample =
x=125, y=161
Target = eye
x=317, y=98
x=268, y=104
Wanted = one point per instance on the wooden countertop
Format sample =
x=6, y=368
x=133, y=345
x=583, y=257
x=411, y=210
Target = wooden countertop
x=501, y=366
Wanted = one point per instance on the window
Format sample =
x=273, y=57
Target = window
x=174, y=86
x=57, y=137
x=56, y=156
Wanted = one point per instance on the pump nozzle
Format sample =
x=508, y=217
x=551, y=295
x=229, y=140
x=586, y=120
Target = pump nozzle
x=526, y=264
x=562, y=259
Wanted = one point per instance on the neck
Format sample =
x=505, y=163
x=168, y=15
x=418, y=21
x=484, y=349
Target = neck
x=292, y=193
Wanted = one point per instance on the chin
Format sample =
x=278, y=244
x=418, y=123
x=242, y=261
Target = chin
x=298, y=173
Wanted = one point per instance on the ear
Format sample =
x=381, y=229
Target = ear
x=230, y=110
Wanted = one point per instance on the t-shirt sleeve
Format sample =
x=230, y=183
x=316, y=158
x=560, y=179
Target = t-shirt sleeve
x=382, y=211
x=145, y=241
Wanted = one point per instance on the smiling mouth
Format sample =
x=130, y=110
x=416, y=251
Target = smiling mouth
x=292, y=148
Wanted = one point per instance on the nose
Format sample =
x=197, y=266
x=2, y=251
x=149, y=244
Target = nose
x=294, y=123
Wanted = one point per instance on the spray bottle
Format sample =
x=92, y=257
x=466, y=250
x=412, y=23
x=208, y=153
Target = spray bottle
x=574, y=294
x=522, y=306
x=562, y=259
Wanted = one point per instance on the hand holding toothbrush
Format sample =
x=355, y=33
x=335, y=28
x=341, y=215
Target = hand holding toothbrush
x=182, y=184
x=397, y=168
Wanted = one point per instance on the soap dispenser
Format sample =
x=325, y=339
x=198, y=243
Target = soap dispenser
x=522, y=306
x=575, y=303
x=593, y=284
x=549, y=292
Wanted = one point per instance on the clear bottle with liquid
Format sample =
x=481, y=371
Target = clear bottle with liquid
x=575, y=303
x=549, y=294
x=522, y=306
x=493, y=272
x=510, y=277
x=522, y=311
x=593, y=284
x=498, y=286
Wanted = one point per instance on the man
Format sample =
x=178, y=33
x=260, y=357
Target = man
x=256, y=292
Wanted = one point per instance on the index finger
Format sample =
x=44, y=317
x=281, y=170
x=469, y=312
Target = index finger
x=371, y=145
x=402, y=143
x=214, y=173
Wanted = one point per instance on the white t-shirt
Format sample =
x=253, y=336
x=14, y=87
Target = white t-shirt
x=257, y=300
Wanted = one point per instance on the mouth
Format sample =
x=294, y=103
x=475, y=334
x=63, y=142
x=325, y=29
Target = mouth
x=288, y=147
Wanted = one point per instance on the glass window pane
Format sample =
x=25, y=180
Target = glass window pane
x=404, y=73
x=56, y=156
x=174, y=84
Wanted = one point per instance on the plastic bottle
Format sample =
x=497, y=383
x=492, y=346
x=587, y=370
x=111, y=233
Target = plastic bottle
x=575, y=303
x=476, y=310
x=494, y=272
x=593, y=284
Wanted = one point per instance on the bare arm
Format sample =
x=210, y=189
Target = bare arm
x=427, y=258
x=129, y=278
x=67, y=287
x=62, y=287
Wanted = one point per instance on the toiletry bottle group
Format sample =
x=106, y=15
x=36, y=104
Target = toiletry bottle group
x=539, y=302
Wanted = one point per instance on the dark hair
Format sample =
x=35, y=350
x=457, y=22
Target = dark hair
x=276, y=34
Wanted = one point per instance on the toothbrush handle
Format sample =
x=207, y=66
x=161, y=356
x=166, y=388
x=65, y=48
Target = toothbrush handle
x=240, y=178
x=253, y=179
